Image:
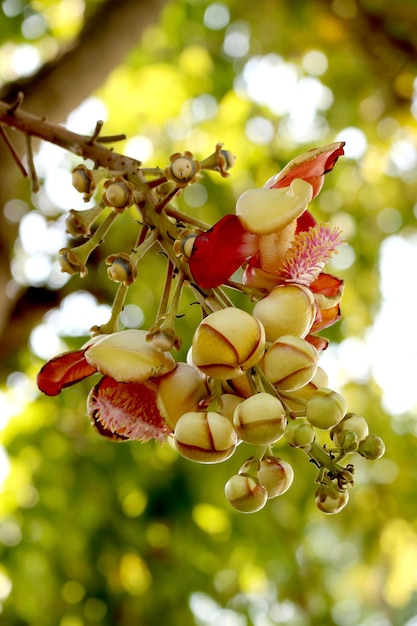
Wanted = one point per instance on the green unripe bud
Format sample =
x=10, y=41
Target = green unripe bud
x=372, y=447
x=205, y=437
x=330, y=499
x=260, y=419
x=245, y=493
x=353, y=423
x=300, y=433
x=347, y=440
x=326, y=408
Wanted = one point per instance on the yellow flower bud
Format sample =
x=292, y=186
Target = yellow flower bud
x=290, y=363
x=275, y=474
x=118, y=193
x=300, y=433
x=260, y=419
x=320, y=379
x=228, y=403
x=372, y=447
x=179, y=392
x=330, y=499
x=245, y=493
x=205, y=437
x=227, y=343
x=265, y=211
x=350, y=423
x=127, y=357
x=325, y=408
x=286, y=310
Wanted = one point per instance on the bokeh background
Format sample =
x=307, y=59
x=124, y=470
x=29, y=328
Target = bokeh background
x=98, y=533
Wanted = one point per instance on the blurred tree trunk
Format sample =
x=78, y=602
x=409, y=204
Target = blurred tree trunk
x=107, y=37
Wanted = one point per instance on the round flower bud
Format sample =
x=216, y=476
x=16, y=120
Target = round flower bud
x=260, y=419
x=300, y=433
x=118, y=193
x=290, y=363
x=286, y=310
x=83, y=181
x=330, y=499
x=228, y=404
x=205, y=437
x=121, y=269
x=320, y=379
x=127, y=357
x=325, y=408
x=265, y=211
x=350, y=423
x=275, y=474
x=372, y=447
x=179, y=392
x=245, y=493
x=227, y=343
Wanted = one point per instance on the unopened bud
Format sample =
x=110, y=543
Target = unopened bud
x=300, y=433
x=245, y=493
x=325, y=408
x=290, y=363
x=286, y=310
x=118, y=194
x=183, y=169
x=121, y=269
x=330, y=499
x=205, y=437
x=260, y=419
x=372, y=447
x=179, y=392
x=350, y=423
x=275, y=474
x=83, y=181
x=227, y=343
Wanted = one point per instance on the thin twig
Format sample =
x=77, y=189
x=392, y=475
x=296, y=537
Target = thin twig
x=31, y=164
x=13, y=152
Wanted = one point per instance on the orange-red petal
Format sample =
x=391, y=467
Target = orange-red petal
x=126, y=411
x=63, y=371
x=311, y=167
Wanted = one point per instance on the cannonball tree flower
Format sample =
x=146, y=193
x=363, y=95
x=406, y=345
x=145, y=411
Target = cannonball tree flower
x=273, y=215
x=123, y=405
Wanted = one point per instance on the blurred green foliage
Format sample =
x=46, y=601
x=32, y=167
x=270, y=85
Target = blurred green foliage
x=93, y=532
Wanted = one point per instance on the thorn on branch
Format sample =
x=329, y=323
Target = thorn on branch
x=14, y=106
x=13, y=152
x=97, y=131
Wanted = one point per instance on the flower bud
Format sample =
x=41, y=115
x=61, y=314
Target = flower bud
x=330, y=499
x=228, y=404
x=227, y=343
x=118, y=193
x=286, y=310
x=290, y=363
x=260, y=419
x=245, y=493
x=350, y=423
x=220, y=161
x=320, y=379
x=127, y=356
x=79, y=222
x=121, y=269
x=325, y=408
x=265, y=211
x=83, y=181
x=183, y=169
x=300, y=433
x=71, y=263
x=372, y=447
x=275, y=474
x=205, y=437
x=179, y=392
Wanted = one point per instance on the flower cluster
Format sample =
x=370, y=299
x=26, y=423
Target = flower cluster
x=252, y=376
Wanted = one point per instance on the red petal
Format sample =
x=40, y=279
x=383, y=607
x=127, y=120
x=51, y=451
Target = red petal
x=304, y=222
x=310, y=166
x=126, y=411
x=62, y=371
x=220, y=251
x=320, y=343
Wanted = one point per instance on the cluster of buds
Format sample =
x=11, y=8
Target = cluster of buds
x=252, y=376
